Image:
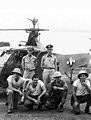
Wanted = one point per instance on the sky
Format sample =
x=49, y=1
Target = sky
x=68, y=21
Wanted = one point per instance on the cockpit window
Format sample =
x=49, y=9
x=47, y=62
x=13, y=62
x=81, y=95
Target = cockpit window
x=19, y=54
x=2, y=53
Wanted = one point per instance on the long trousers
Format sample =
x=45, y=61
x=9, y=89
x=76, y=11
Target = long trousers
x=81, y=99
x=12, y=99
x=56, y=98
x=47, y=76
x=29, y=103
x=28, y=74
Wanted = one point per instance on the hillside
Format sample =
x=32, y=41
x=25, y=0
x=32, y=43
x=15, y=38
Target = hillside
x=80, y=61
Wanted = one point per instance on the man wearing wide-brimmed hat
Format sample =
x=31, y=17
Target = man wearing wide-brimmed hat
x=81, y=92
x=57, y=93
x=15, y=82
x=29, y=62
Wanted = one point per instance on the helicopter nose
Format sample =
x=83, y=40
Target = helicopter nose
x=90, y=63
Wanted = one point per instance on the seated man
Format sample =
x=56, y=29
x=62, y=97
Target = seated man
x=15, y=82
x=81, y=92
x=57, y=93
x=35, y=93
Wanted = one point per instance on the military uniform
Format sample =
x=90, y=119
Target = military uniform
x=29, y=65
x=49, y=65
x=57, y=93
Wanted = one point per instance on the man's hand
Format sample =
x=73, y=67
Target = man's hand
x=84, y=84
x=39, y=99
x=55, y=88
x=60, y=88
x=47, y=103
x=36, y=102
x=76, y=103
x=20, y=93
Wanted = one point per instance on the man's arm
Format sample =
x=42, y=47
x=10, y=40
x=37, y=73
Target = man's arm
x=55, y=63
x=35, y=62
x=42, y=62
x=30, y=98
x=88, y=87
x=74, y=93
x=64, y=86
x=23, y=63
x=43, y=91
x=14, y=89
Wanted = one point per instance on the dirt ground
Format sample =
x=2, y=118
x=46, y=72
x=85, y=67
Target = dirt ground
x=22, y=113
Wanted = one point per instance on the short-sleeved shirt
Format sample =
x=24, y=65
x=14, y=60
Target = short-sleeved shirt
x=49, y=61
x=18, y=84
x=81, y=90
x=29, y=62
x=37, y=90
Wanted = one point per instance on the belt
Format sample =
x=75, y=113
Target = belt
x=49, y=68
x=29, y=70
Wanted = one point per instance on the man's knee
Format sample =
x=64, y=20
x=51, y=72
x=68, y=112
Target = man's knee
x=9, y=92
x=76, y=108
x=63, y=94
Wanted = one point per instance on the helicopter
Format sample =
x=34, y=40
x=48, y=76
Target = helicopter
x=12, y=56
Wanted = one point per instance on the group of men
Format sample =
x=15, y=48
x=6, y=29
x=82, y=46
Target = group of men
x=51, y=91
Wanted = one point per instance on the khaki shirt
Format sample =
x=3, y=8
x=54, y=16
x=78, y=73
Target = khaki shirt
x=49, y=61
x=29, y=63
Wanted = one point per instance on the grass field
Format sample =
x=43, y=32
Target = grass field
x=24, y=114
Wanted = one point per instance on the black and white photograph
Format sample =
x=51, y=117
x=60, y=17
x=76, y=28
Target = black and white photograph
x=45, y=60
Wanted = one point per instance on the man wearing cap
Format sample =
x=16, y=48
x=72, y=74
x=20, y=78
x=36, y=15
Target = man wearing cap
x=57, y=93
x=15, y=83
x=29, y=64
x=81, y=93
x=49, y=65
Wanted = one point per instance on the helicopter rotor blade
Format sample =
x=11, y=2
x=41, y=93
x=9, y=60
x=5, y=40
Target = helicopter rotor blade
x=11, y=29
x=37, y=29
x=30, y=29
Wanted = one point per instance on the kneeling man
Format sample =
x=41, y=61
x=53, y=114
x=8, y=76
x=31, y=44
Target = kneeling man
x=57, y=93
x=81, y=92
x=15, y=83
x=35, y=93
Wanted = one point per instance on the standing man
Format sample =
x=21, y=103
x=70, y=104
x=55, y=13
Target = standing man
x=57, y=93
x=29, y=64
x=49, y=65
x=15, y=83
x=81, y=92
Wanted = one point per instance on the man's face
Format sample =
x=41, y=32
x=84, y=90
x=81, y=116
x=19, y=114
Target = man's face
x=83, y=77
x=35, y=81
x=29, y=52
x=50, y=50
x=16, y=76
